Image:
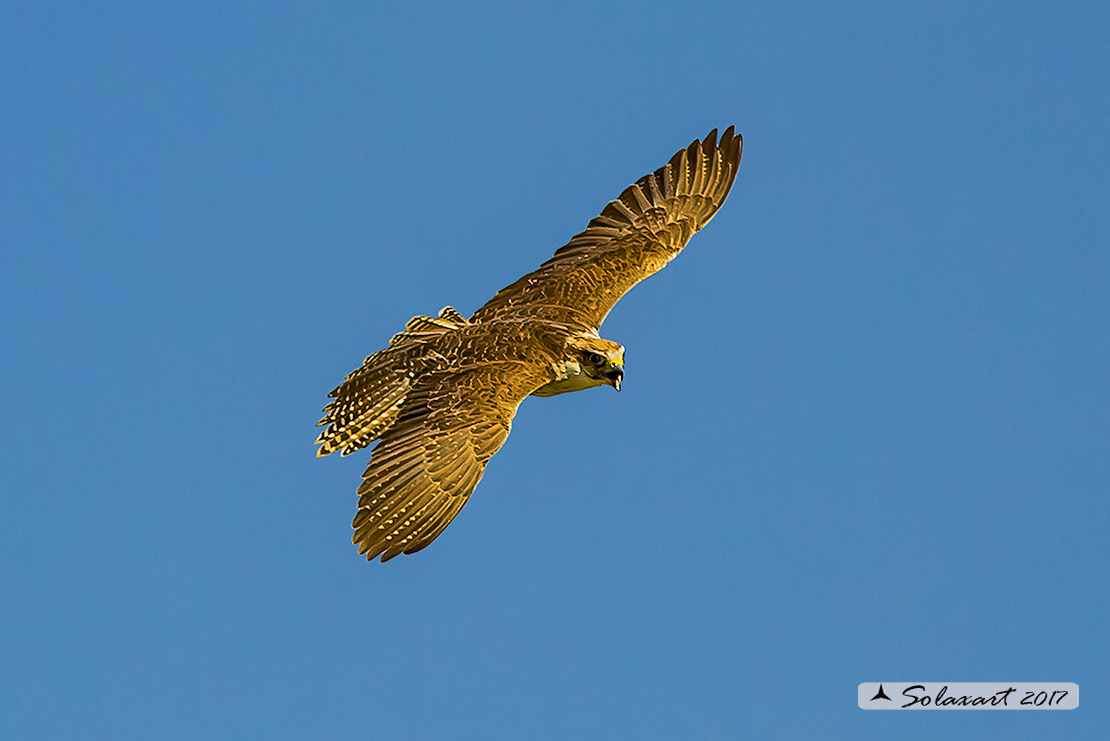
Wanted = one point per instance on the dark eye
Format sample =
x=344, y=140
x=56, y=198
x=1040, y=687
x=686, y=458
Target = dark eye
x=595, y=359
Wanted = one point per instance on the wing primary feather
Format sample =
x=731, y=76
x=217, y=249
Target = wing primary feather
x=643, y=203
x=698, y=179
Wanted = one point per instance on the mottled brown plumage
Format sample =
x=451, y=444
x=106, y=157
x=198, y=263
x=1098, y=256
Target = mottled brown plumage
x=442, y=396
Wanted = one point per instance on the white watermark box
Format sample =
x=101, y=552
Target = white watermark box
x=968, y=695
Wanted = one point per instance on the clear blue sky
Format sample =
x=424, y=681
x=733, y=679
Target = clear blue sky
x=864, y=428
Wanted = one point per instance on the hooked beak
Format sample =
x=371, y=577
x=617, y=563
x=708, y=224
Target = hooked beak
x=615, y=376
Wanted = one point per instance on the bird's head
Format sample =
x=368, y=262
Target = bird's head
x=600, y=360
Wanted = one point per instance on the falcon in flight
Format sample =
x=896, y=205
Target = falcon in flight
x=442, y=396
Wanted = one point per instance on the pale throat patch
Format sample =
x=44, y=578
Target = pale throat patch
x=571, y=378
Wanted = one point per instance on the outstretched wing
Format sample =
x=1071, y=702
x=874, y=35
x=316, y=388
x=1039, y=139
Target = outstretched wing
x=428, y=463
x=634, y=237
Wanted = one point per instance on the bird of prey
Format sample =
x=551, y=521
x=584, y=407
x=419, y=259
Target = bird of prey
x=442, y=396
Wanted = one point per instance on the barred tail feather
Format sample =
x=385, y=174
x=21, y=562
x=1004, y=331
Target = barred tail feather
x=365, y=405
x=368, y=400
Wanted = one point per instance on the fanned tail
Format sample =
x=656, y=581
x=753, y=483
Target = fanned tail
x=367, y=402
